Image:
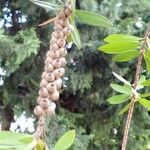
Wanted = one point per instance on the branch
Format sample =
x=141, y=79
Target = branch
x=134, y=98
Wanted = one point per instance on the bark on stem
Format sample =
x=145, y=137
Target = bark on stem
x=134, y=98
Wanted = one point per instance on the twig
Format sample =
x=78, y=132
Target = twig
x=135, y=84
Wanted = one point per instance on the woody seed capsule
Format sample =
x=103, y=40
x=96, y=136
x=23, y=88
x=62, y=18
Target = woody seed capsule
x=64, y=22
x=55, y=95
x=38, y=110
x=43, y=83
x=44, y=103
x=62, y=14
x=56, y=63
x=49, y=68
x=58, y=34
x=63, y=61
x=44, y=74
x=53, y=40
x=51, y=109
x=58, y=27
x=54, y=54
x=39, y=99
x=48, y=60
x=66, y=31
x=62, y=52
x=61, y=42
x=43, y=92
x=51, y=87
x=54, y=46
x=50, y=77
x=58, y=83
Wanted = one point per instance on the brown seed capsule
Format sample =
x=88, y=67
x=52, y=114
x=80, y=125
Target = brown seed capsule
x=58, y=34
x=62, y=52
x=62, y=71
x=56, y=63
x=62, y=14
x=51, y=87
x=64, y=22
x=48, y=53
x=63, y=61
x=58, y=83
x=51, y=109
x=44, y=74
x=55, y=96
x=38, y=110
x=57, y=73
x=43, y=83
x=49, y=68
x=50, y=77
x=68, y=12
x=58, y=27
x=45, y=103
x=66, y=31
x=53, y=40
x=56, y=21
x=54, y=46
x=48, y=60
x=39, y=99
x=55, y=54
x=61, y=42
x=43, y=92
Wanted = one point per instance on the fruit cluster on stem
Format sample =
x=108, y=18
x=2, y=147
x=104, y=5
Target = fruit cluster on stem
x=54, y=70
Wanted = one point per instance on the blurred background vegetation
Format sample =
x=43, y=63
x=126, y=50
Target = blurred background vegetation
x=82, y=105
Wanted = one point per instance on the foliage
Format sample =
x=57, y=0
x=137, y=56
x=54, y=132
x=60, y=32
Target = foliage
x=14, y=50
x=89, y=99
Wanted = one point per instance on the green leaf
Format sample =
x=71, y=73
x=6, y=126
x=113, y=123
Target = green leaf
x=147, y=59
x=146, y=83
x=13, y=140
x=121, y=38
x=40, y=145
x=73, y=4
x=65, y=141
x=122, y=89
x=119, y=47
x=144, y=102
x=117, y=99
x=75, y=36
x=142, y=79
x=124, y=109
x=45, y=5
x=92, y=18
x=145, y=95
x=123, y=57
x=121, y=79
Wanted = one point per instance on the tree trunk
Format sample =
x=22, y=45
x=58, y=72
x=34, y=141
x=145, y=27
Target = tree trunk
x=7, y=117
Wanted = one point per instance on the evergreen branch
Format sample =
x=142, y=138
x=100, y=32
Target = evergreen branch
x=134, y=98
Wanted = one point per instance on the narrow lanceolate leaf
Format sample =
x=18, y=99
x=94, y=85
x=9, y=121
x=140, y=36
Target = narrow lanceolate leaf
x=92, y=18
x=141, y=80
x=146, y=83
x=65, y=141
x=124, y=109
x=145, y=95
x=121, y=38
x=117, y=99
x=147, y=59
x=123, y=57
x=122, y=89
x=144, y=102
x=121, y=79
x=75, y=36
x=119, y=47
x=45, y=5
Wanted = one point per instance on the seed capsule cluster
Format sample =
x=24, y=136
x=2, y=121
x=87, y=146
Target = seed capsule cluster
x=54, y=65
